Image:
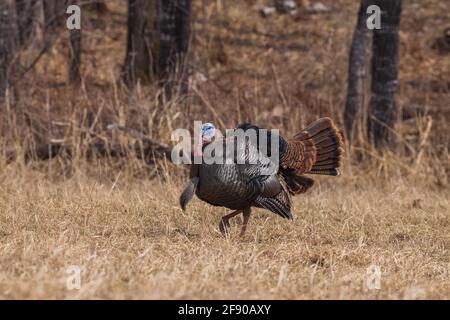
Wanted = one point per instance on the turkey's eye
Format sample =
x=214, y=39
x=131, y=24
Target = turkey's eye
x=208, y=134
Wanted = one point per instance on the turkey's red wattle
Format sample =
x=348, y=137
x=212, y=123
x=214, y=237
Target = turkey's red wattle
x=198, y=152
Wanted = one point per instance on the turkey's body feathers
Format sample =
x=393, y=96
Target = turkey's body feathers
x=244, y=182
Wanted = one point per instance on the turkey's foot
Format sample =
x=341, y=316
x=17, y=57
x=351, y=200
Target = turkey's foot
x=224, y=223
x=245, y=218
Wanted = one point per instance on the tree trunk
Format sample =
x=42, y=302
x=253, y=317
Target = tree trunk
x=174, y=41
x=8, y=42
x=382, y=107
x=49, y=10
x=98, y=5
x=157, y=41
x=359, y=53
x=27, y=11
x=184, y=35
x=141, y=47
x=54, y=13
x=75, y=53
x=75, y=56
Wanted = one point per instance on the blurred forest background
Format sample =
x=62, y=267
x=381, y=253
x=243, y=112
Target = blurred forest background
x=139, y=69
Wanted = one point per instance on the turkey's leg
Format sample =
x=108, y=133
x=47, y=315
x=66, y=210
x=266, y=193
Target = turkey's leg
x=224, y=223
x=246, y=217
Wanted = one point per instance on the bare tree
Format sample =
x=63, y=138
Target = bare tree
x=174, y=41
x=54, y=12
x=8, y=42
x=382, y=106
x=357, y=66
x=74, y=52
x=141, y=44
x=26, y=11
x=158, y=38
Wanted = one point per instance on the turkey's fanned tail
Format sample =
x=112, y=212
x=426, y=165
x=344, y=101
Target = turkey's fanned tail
x=317, y=149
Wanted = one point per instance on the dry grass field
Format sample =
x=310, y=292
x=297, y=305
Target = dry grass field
x=118, y=219
x=131, y=240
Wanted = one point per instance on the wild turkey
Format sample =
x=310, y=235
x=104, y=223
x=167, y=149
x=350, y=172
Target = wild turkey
x=318, y=149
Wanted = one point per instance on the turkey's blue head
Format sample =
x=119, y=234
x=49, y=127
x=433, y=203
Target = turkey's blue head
x=208, y=132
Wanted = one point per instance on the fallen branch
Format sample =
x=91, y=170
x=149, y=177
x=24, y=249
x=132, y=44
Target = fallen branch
x=145, y=148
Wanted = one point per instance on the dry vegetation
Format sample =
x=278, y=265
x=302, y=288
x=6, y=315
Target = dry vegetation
x=119, y=218
x=133, y=241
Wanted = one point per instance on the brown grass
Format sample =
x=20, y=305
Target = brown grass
x=119, y=219
x=132, y=241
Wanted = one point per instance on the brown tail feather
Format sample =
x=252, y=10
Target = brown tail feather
x=329, y=154
x=297, y=184
x=327, y=172
x=318, y=149
x=326, y=141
